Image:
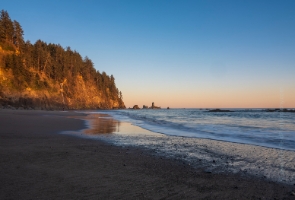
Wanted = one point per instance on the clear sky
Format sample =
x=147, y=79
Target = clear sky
x=177, y=53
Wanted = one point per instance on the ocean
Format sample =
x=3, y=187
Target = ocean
x=247, y=141
x=246, y=126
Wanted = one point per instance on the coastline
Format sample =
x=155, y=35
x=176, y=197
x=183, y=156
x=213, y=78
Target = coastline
x=37, y=161
x=217, y=156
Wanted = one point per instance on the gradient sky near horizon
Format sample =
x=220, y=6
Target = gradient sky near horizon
x=177, y=53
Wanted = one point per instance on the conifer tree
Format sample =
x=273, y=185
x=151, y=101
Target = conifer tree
x=6, y=27
x=18, y=39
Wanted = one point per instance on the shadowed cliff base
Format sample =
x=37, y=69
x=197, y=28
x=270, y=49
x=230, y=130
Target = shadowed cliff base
x=52, y=103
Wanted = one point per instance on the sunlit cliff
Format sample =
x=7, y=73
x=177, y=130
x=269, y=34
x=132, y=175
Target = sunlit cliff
x=48, y=76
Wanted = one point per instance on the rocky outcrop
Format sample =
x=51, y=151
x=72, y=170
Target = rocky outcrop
x=154, y=107
x=219, y=110
x=136, y=107
x=280, y=110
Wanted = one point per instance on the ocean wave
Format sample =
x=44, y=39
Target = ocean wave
x=243, y=126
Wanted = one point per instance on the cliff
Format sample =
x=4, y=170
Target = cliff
x=48, y=76
x=74, y=94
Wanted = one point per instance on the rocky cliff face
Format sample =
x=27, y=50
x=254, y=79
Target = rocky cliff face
x=69, y=94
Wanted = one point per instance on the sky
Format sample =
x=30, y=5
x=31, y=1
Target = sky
x=177, y=53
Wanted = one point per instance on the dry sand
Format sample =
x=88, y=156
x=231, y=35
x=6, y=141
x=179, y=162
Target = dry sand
x=36, y=162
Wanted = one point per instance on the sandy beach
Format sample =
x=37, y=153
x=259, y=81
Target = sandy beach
x=37, y=162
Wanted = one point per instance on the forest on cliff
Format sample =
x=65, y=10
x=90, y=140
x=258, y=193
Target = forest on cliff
x=48, y=76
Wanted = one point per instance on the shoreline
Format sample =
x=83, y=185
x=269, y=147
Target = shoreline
x=235, y=128
x=37, y=161
x=217, y=156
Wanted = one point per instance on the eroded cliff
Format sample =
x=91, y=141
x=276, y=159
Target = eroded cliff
x=68, y=94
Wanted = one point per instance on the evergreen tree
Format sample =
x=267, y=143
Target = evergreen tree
x=18, y=39
x=121, y=96
x=6, y=28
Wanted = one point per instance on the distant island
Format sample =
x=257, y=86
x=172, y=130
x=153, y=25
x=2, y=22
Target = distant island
x=48, y=76
x=136, y=107
x=264, y=110
x=219, y=110
x=279, y=110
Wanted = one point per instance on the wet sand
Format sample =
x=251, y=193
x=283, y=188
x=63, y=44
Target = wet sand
x=212, y=155
x=37, y=162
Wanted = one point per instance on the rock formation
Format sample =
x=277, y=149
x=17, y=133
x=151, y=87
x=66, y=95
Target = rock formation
x=154, y=107
x=136, y=107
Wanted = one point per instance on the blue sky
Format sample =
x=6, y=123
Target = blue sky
x=177, y=53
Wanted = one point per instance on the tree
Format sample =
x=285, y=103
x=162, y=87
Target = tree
x=18, y=39
x=27, y=54
x=121, y=96
x=6, y=27
x=87, y=69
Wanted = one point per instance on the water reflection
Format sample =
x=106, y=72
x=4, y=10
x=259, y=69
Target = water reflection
x=102, y=124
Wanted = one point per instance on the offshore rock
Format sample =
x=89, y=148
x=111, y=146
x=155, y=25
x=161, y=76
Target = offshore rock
x=219, y=110
x=279, y=110
x=136, y=107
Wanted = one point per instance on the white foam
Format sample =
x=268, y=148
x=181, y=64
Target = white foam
x=217, y=156
x=248, y=131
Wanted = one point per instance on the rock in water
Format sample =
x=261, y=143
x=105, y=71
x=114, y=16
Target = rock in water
x=136, y=107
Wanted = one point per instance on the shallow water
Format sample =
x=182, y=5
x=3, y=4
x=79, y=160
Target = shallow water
x=269, y=129
x=210, y=155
